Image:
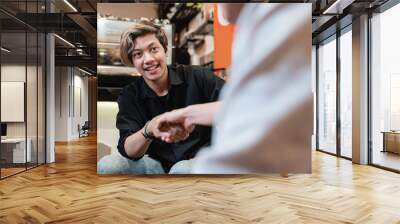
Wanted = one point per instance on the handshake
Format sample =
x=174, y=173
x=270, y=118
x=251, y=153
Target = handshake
x=176, y=126
x=171, y=127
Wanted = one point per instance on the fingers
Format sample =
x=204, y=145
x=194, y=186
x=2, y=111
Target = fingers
x=172, y=127
x=160, y=125
x=188, y=125
x=175, y=133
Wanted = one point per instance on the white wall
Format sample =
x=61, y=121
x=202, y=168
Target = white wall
x=61, y=103
x=14, y=72
x=33, y=126
x=107, y=133
x=70, y=84
x=82, y=83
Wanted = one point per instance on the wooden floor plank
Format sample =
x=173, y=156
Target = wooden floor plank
x=70, y=191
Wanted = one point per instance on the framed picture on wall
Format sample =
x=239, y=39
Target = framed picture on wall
x=12, y=101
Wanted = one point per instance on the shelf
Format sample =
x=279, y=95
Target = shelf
x=182, y=16
x=203, y=29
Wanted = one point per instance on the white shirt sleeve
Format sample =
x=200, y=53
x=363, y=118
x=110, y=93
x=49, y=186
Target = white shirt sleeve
x=265, y=122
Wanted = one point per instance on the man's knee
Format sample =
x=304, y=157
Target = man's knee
x=182, y=167
x=112, y=164
x=117, y=164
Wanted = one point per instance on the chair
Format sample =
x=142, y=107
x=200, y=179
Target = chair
x=84, y=130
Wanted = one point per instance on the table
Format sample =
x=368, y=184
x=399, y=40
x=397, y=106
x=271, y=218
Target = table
x=13, y=150
x=391, y=141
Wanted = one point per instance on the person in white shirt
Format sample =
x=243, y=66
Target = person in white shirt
x=264, y=122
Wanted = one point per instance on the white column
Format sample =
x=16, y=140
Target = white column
x=50, y=92
x=50, y=98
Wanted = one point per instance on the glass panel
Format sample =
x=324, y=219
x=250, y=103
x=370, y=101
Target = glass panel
x=12, y=15
x=386, y=89
x=346, y=94
x=327, y=97
x=23, y=85
x=41, y=98
x=31, y=97
x=13, y=86
x=314, y=84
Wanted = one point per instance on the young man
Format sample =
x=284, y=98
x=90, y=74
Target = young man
x=160, y=89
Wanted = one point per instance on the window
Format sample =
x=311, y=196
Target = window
x=327, y=96
x=22, y=66
x=385, y=88
x=346, y=93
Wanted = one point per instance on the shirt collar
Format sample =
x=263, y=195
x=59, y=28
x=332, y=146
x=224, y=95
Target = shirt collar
x=173, y=76
x=174, y=80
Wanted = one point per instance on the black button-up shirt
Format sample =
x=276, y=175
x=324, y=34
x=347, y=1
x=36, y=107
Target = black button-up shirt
x=138, y=103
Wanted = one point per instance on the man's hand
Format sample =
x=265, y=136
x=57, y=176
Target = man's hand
x=172, y=126
x=176, y=125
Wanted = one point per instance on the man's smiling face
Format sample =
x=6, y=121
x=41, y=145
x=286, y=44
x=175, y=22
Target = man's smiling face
x=149, y=57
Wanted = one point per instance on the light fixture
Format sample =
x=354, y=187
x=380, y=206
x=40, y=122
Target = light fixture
x=338, y=6
x=80, y=51
x=86, y=72
x=329, y=9
x=5, y=50
x=65, y=41
x=108, y=43
x=70, y=5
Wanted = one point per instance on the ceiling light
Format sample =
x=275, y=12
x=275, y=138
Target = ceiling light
x=331, y=7
x=338, y=6
x=108, y=43
x=5, y=49
x=65, y=41
x=86, y=72
x=70, y=5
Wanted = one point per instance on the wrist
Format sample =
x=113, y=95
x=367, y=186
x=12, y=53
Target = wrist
x=147, y=133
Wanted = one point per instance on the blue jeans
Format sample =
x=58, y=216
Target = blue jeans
x=115, y=163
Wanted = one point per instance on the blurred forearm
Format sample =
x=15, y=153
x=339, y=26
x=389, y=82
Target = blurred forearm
x=201, y=114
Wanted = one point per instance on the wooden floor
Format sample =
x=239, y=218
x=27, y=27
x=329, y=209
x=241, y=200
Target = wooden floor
x=70, y=191
x=387, y=159
x=10, y=171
